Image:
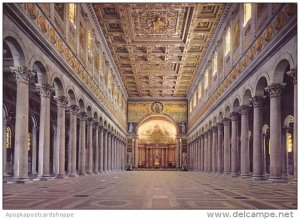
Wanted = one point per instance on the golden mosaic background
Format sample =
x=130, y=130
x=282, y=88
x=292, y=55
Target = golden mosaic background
x=177, y=110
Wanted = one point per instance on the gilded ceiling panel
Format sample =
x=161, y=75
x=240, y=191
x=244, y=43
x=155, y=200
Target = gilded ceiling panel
x=158, y=47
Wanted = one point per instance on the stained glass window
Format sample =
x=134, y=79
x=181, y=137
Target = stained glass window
x=29, y=141
x=199, y=91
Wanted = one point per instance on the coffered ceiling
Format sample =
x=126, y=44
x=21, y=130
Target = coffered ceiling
x=158, y=47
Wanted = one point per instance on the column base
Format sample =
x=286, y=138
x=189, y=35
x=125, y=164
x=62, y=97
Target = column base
x=82, y=174
x=61, y=176
x=90, y=173
x=73, y=175
x=258, y=178
x=245, y=176
x=226, y=173
x=294, y=180
x=45, y=178
x=234, y=174
x=278, y=180
x=19, y=181
x=101, y=171
x=96, y=172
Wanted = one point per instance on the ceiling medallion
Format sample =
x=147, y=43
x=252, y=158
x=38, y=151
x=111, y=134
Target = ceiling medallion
x=159, y=23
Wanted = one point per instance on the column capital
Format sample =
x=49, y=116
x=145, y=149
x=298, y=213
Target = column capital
x=209, y=131
x=220, y=125
x=244, y=109
x=45, y=90
x=82, y=116
x=226, y=121
x=257, y=101
x=274, y=90
x=202, y=135
x=293, y=74
x=95, y=124
x=61, y=101
x=23, y=74
x=73, y=109
x=234, y=116
x=90, y=121
x=214, y=129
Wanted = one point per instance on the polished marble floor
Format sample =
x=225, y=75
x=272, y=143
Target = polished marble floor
x=151, y=190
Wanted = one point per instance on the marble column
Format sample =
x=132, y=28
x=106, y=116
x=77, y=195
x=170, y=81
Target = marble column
x=96, y=148
x=220, y=161
x=234, y=116
x=44, y=137
x=245, y=153
x=274, y=91
x=61, y=134
x=4, y=151
x=226, y=123
x=111, y=151
x=73, y=110
x=136, y=157
x=199, y=153
x=109, y=134
x=33, y=150
x=90, y=145
x=202, y=151
x=105, y=154
x=214, y=149
x=258, y=148
x=82, y=145
x=23, y=76
x=206, y=151
x=293, y=74
x=101, y=146
x=209, y=149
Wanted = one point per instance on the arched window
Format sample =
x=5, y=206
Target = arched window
x=215, y=63
x=228, y=42
x=289, y=143
x=72, y=13
x=8, y=137
x=247, y=13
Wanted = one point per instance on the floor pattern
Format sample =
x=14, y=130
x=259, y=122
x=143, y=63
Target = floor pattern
x=151, y=190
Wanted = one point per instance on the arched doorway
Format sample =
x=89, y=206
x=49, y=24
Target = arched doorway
x=158, y=142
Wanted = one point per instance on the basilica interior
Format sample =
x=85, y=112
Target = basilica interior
x=149, y=105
